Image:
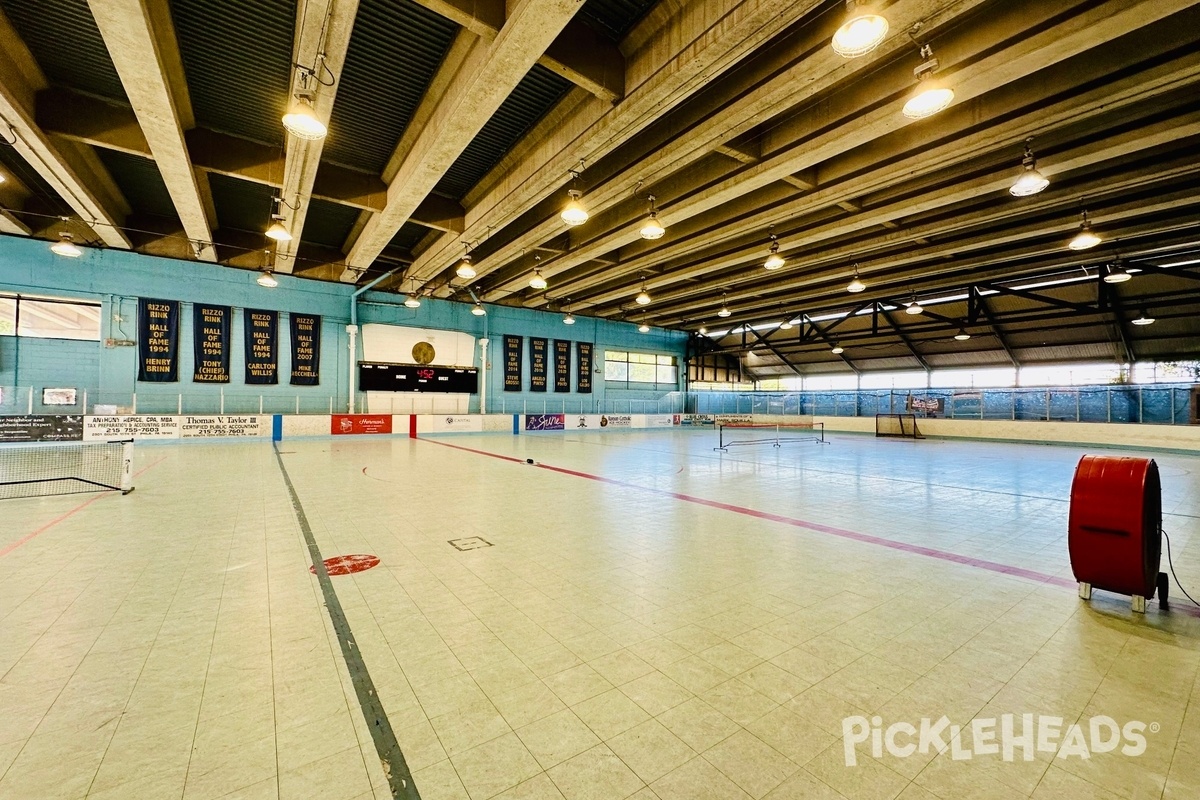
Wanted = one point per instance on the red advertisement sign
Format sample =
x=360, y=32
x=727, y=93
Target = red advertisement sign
x=340, y=424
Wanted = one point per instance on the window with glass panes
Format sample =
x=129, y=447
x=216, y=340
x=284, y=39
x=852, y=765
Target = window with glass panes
x=641, y=370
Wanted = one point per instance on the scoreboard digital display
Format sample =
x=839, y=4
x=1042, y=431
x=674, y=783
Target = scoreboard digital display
x=378, y=377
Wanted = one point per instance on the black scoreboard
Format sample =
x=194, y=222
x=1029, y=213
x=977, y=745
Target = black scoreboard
x=377, y=377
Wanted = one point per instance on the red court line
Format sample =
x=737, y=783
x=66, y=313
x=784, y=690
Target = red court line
x=929, y=552
x=30, y=536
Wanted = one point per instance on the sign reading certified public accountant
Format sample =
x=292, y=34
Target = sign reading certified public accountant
x=158, y=340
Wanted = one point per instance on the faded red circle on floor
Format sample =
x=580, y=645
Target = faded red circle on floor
x=344, y=565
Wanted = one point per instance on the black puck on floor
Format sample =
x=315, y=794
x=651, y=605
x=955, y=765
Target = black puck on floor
x=529, y=461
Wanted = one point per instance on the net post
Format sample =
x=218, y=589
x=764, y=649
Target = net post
x=127, y=466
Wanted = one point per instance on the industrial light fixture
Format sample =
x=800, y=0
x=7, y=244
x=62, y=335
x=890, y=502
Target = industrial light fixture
x=465, y=269
x=1117, y=273
x=786, y=325
x=411, y=300
x=478, y=309
x=653, y=229
x=537, y=281
x=643, y=328
x=931, y=94
x=724, y=312
x=914, y=307
x=1085, y=239
x=856, y=285
x=862, y=31
x=643, y=299
x=301, y=120
x=569, y=319
x=3, y=178
x=837, y=349
x=277, y=231
x=962, y=335
x=1143, y=319
x=573, y=212
x=267, y=280
x=65, y=246
x=774, y=260
x=703, y=331
x=1031, y=181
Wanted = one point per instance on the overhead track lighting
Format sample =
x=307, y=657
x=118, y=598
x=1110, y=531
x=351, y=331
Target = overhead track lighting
x=653, y=229
x=724, y=312
x=643, y=299
x=267, y=280
x=914, y=307
x=478, y=309
x=962, y=335
x=65, y=246
x=574, y=213
x=862, y=31
x=774, y=260
x=856, y=285
x=931, y=94
x=1117, y=273
x=1143, y=319
x=1085, y=239
x=301, y=120
x=1031, y=181
x=837, y=349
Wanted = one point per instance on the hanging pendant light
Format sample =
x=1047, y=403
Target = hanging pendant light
x=1117, y=273
x=569, y=319
x=643, y=299
x=65, y=246
x=931, y=94
x=653, y=229
x=962, y=335
x=786, y=325
x=862, y=31
x=724, y=312
x=478, y=309
x=465, y=269
x=703, y=331
x=537, y=281
x=837, y=349
x=1085, y=239
x=573, y=212
x=267, y=280
x=277, y=231
x=301, y=120
x=1031, y=181
x=856, y=285
x=1143, y=319
x=914, y=307
x=774, y=260
x=643, y=328
x=412, y=300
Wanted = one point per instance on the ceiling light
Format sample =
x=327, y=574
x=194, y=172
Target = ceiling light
x=643, y=299
x=653, y=229
x=277, y=231
x=1143, y=319
x=1031, y=181
x=1085, y=239
x=1116, y=274
x=703, y=331
x=962, y=335
x=643, y=328
x=569, y=319
x=412, y=301
x=724, y=312
x=914, y=307
x=65, y=247
x=537, y=281
x=2, y=177
x=574, y=213
x=774, y=260
x=478, y=309
x=862, y=31
x=837, y=349
x=931, y=95
x=267, y=280
x=464, y=269
x=786, y=325
x=856, y=285
x=301, y=121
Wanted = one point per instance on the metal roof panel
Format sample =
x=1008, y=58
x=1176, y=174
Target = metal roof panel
x=64, y=39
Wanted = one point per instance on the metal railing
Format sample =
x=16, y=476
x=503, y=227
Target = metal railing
x=1160, y=404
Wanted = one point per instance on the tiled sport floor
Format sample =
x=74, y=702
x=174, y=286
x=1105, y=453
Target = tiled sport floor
x=696, y=625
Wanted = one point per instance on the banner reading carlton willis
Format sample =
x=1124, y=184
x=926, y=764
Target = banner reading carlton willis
x=158, y=340
x=210, y=343
x=583, y=379
x=512, y=363
x=306, y=349
x=562, y=366
x=538, y=363
x=262, y=346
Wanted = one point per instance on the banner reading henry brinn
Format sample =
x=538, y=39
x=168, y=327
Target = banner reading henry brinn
x=158, y=340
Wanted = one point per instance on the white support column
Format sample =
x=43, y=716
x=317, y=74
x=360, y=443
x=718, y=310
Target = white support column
x=483, y=344
x=353, y=331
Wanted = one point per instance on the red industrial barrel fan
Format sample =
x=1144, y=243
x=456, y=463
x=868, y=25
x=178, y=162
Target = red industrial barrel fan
x=1114, y=528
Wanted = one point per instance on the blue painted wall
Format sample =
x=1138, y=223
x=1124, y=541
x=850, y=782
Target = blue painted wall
x=117, y=278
